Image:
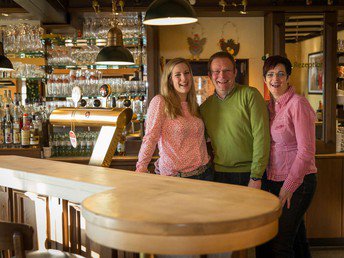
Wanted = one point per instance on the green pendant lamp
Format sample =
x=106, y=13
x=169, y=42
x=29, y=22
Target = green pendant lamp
x=5, y=63
x=170, y=12
x=114, y=53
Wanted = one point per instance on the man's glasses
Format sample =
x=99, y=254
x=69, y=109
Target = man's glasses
x=225, y=71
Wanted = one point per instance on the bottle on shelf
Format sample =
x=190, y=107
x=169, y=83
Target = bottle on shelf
x=34, y=136
x=16, y=128
x=45, y=128
x=25, y=132
x=8, y=128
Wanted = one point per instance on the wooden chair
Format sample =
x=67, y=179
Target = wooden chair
x=19, y=238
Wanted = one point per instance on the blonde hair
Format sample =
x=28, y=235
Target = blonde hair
x=173, y=107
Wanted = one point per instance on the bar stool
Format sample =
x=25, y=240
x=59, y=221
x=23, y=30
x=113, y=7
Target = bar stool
x=19, y=238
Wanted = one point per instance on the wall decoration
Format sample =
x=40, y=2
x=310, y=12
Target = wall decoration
x=315, y=73
x=231, y=46
x=196, y=42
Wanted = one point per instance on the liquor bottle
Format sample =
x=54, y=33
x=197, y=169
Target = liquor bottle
x=34, y=136
x=38, y=123
x=25, y=132
x=8, y=128
x=19, y=113
x=16, y=128
x=45, y=128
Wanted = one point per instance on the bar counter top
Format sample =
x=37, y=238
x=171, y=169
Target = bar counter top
x=150, y=213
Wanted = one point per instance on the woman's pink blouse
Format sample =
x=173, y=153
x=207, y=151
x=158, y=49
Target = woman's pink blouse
x=292, y=129
x=181, y=141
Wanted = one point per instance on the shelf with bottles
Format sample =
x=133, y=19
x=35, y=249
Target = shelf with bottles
x=22, y=126
x=130, y=23
x=21, y=78
x=128, y=42
x=109, y=72
x=89, y=81
x=82, y=49
x=62, y=56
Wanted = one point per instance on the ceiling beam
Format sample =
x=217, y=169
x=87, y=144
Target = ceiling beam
x=43, y=10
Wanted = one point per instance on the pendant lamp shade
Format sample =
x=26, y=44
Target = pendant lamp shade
x=5, y=63
x=170, y=12
x=115, y=53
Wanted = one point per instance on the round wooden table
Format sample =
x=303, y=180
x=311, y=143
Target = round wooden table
x=168, y=215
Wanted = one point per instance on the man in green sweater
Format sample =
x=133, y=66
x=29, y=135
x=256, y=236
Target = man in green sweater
x=236, y=121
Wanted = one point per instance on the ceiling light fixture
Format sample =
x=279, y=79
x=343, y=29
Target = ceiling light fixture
x=5, y=63
x=114, y=53
x=170, y=12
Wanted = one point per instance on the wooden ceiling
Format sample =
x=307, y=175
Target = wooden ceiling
x=302, y=21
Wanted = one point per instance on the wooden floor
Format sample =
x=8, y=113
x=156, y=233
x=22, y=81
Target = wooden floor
x=317, y=252
x=327, y=252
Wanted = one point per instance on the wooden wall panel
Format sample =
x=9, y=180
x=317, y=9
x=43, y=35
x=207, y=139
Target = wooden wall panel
x=324, y=217
x=4, y=204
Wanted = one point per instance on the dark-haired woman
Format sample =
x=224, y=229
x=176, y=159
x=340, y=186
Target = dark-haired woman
x=291, y=172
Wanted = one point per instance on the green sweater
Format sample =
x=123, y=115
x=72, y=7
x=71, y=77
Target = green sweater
x=238, y=127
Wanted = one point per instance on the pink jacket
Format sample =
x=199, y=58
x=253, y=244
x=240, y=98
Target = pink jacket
x=292, y=129
x=181, y=141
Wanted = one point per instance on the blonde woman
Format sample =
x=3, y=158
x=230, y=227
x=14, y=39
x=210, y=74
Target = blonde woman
x=174, y=124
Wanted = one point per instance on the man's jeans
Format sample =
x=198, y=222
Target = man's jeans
x=291, y=240
x=236, y=178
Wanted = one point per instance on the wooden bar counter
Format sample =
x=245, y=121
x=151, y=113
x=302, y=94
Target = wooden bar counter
x=149, y=213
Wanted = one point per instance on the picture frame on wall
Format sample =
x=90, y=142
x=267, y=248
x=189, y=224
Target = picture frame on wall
x=315, y=73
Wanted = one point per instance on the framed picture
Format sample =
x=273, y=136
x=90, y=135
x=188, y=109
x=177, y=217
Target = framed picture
x=315, y=73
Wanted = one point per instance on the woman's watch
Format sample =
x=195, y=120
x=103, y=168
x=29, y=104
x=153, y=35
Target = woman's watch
x=256, y=178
